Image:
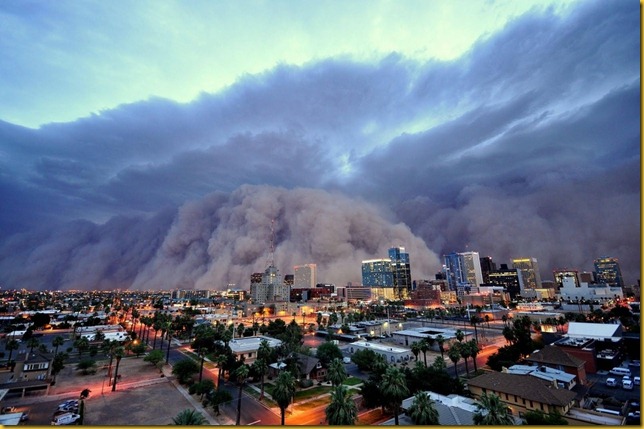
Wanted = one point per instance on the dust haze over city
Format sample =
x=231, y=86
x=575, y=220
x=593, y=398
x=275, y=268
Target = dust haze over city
x=154, y=149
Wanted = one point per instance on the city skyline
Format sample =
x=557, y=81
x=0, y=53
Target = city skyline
x=153, y=149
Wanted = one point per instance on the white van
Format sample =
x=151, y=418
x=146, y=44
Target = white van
x=65, y=419
x=618, y=370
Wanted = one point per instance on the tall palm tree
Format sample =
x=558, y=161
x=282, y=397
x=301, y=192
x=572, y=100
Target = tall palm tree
x=394, y=389
x=490, y=410
x=284, y=391
x=454, y=355
x=189, y=417
x=202, y=354
x=460, y=335
x=474, y=351
x=241, y=374
x=220, y=360
x=119, y=352
x=336, y=372
x=422, y=410
x=464, y=349
x=423, y=345
x=342, y=409
x=415, y=349
x=441, y=340
x=264, y=353
x=57, y=342
x=33, y=342
x=11, y=346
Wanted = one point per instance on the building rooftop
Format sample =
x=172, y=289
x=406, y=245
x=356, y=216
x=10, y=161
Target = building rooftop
x=240, y=345
x=554, y=355
x=381, y=347
x=542, y=372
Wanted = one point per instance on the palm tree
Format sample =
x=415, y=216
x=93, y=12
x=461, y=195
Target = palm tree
x=454, y=355
x=342, y=410
x=241, y=374
x=284, y=391
x=394, y=389
x=474, y=351
x=464, y=349
x=422, y=410
x=336, y=373
x=263, y=353
x=460, y=335
x=475, y=320
x=440, y=340
x=491, y=411
x=415, y=349
x=189, y=417
x=11, y=346
x=119, y=352
x=57, y=342
x=220, y=360
x=202, y=354
x=423, y=345
x=33, y=342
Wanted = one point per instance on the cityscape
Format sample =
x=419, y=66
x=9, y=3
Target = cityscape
x=320, y=213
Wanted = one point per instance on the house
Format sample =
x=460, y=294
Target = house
x=523, y=393
x=246, y=348
x=557, y=358
x=391, y=354
x=310, y=368
x=31, y=373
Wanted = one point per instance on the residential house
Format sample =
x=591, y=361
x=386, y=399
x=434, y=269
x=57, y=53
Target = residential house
x=557, y=358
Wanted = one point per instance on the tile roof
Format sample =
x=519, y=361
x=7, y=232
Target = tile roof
x=530, y=388
x=555, y=356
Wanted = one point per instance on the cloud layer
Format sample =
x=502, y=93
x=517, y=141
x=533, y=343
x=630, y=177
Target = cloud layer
x=527, y=145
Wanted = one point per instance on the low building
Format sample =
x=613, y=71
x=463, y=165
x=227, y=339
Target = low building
x=562, y=378
x=453, y=410
x=523, y=393
x=557, y=358
x=393, y=355
x=246, y=348
x=407, y=337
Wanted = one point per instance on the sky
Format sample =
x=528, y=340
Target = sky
x=151, y=145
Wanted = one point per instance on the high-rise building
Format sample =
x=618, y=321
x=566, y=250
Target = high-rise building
x=377, y=273
x=272, y=287
x=530, y=272
x=305, y=276
x=607, y=271
x=487, y=266
x=561, y=274
x=462, y=271
x=401, y=272
x=509, y=278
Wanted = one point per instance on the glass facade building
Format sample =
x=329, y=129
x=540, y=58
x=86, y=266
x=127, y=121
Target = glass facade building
x=607, y=271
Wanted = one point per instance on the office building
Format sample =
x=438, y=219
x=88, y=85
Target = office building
x=509, y=278
x=487, y=266
x=530, y=272
x=607, y=271
x=561, y=274
x=271, y=288
x=462, y=271
x=401, y=272
x=305, y=276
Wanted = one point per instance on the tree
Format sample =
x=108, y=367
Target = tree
x=263, y=355
x=440, y=340
x=423, y=345
x=202, y=355
x=218, y=397
x=454, y=355
x=81, y=345
x=154, y=357
x=57, y=342
x=11, y=346
x=394, y=389
x=284, y=391
x=539, y=418
x=464, y=348
x=119, y=352
x=415, y=349
x=422, y=410
x=474, y=351
x=58, y=364
x=460, y=335
x=490, y=411
x=327, y=352
x=220, y=360
x=87, y=366
x=241, y=374
x=189, y=417
x=184, y=370
x=336, y=372
x=342, y=410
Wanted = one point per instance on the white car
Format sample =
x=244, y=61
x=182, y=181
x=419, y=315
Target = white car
x=346, y=359
x=636, y=380
x=611, y=382
x=627, y=384
x=65, y=419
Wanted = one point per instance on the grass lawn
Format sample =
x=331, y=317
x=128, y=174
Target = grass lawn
x=310, y=393
x=352, y=381
x=268, y=402
x=313, y=404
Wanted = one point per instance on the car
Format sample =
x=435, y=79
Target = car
x=627, y=384
x=636, y=380
x=635, y=363
x=634, y=414
x=347, y=359
x=65, y=419
x=611, y=382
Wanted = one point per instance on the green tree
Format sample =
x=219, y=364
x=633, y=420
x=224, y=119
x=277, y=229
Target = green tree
x=81, y=345
x=342, y=409
x=328, y=351
x=217, y=397
x=336, y=373
x=539, y=418
x=415, y=349
x=57, y=364
x=119, y=352
x=394, y=389
x=423, y=345
x=11, y=346
x=474, y=351
x=57, y=342
x=454, y=355
x=189, y=417
x=32, y=343
x=464, y=348
x=154, y=357
x=241, y=374
x=264, y=356
x=422, y=410
x=284, y=391
x=441, y=341
x=491, y=411
x=184, y=370
x=87, y=366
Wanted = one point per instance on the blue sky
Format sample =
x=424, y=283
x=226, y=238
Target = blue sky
x=509, y=128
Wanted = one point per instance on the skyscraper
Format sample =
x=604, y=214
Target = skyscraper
x=561, y=274
x=305, y=276
x=530, y=272
x=462, y=270
x=607, y=271
x=487, y=266
x=401, y=270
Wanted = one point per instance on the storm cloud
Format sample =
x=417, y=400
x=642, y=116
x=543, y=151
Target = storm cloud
x=526, y=145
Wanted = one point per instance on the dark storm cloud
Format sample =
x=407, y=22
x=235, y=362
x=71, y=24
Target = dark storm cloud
x=527, y=145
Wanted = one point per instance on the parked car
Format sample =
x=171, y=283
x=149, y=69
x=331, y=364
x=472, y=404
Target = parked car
x=636, y=380
x=634, y=363
x=347, y=359
x=634, y=414
x=627, y=384
x=611, y=382
x=65, y=419
x=71, y=405
x=618, y=370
